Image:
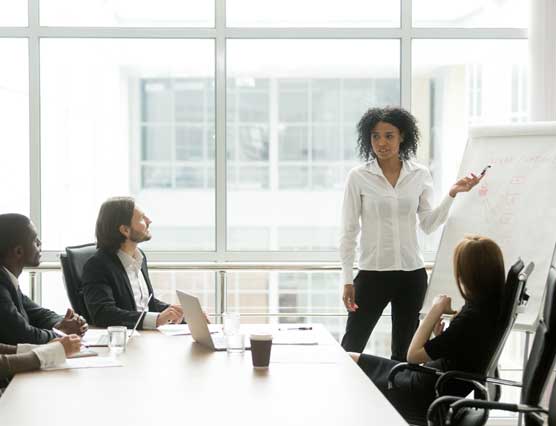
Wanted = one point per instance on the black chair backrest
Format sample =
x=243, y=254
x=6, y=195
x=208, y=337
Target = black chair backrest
x=552, y=406
x=513, y=294
x=543, y=351
x=73, y=261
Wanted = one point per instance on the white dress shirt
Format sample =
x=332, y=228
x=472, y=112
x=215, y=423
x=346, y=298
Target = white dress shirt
x=387, y=218
x=132, y=266
x=50, y=355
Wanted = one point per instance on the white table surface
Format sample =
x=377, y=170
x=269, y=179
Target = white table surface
x=171, y=380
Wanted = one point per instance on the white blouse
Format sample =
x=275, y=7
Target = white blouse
x=386, y=217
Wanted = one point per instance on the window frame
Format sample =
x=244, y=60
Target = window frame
x=220, y=33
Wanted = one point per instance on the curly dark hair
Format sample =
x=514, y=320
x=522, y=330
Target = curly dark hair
x=398, y=117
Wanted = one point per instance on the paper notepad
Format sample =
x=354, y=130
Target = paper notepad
x=89, y=362
x=183, y=329
x=99, y=337
x=294, y=338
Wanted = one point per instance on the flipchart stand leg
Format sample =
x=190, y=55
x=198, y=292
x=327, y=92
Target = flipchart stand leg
x=525, y=357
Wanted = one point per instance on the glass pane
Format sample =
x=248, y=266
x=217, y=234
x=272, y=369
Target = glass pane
x=248, y=237
x=157, y=143
x=156, y=176
x=293, y=143
x=325, y=146
x=313, y=13
x=194, y=99
x=127, y=13
x=197, y=283
x=158, y=96
x=294, y=177
x=292, y=297
x=254, y=106
x=327, y=178
x=285, y=292
x=14, y=127
x=165, y=284
x=253, y=143
x=24, y=282
x=190, y=177
x=459, y=83
x=189, y=143
x=13, y=13
x=109, y=128
x=326, y=100
x=471, y=13
x=54, y=295
x=293, y=106
x=307, y=239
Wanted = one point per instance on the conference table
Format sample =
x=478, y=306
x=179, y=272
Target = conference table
x=174, y=381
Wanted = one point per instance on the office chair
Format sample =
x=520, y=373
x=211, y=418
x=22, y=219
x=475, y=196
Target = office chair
x=73, y=261
x=514, y=296
x=535, y=374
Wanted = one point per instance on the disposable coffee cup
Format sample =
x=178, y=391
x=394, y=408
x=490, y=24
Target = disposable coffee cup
x=261, y=344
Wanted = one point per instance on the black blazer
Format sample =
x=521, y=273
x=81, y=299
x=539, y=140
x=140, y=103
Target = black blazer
x=107, y=292
x=21, y=319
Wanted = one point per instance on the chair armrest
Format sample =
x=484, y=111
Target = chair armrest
x=412, y=367
x=436, y=412
x=470, y=378
x=490, y=405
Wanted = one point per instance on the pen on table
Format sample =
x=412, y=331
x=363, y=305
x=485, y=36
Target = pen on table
x=297, y=328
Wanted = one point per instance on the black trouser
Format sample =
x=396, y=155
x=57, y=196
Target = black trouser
x=412, y=393
x=404, y=290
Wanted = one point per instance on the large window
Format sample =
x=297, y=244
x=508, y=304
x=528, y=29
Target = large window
x=121, y=117
x=14, y=126
x=292, y=106
x=470, y=13
x=313, y=13
x=177, y=133
x=13, y=13
x=127, y=13
x=233, y=123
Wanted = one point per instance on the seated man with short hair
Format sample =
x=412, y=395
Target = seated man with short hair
x=116, y=284
x=22, y=320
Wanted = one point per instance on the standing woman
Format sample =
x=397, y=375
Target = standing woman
x=382, y=201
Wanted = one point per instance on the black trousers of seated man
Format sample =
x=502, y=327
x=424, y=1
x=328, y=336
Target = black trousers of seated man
x=404, y=290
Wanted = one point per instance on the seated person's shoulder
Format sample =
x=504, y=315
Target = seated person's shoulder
x=98, y=263
x=476, y=319
x=4, y=292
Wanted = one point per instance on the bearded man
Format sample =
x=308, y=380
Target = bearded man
x=116, y=283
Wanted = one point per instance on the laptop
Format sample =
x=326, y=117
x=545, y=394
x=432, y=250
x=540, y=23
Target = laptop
x=198, y=326
x=101, y=339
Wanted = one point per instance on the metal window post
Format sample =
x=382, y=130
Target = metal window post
x=35, y=286
x=220, y=296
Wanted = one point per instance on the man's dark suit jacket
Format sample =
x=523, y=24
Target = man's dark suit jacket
x=107, y=291
x=21, y=319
